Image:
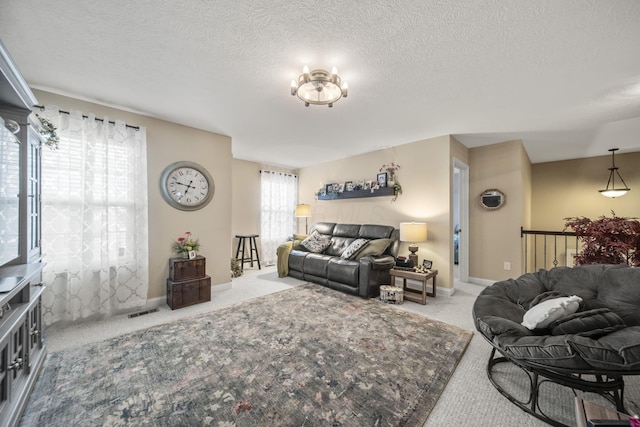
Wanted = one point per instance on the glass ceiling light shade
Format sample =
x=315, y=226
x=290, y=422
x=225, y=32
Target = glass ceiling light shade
x=611, y=190
x=319, y=87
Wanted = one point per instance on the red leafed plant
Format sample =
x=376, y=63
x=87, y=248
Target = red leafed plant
x=614, y=240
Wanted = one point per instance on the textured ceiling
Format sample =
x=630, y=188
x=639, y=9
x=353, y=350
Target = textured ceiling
x=563, y=76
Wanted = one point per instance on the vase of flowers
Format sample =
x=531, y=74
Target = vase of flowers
x=184, y=244
x=391, y=170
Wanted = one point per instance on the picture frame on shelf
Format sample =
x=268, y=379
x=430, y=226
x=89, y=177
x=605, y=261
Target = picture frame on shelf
x=361, y=184
x=192, y=254
x=336, y=187
x=341, y=188
x=348, y=186
x=328, y=188
x=427, y=264
x=367, y=185
x=382, y=179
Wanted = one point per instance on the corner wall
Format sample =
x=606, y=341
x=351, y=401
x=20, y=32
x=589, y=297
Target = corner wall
x=167, y=143
x=494, y=236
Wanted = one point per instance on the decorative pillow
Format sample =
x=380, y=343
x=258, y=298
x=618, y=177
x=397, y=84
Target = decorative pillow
x=317, y=242
x=353, y=248
x=591, y=323
x=545, y=313
x=374, y=248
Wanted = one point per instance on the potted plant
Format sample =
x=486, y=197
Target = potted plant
x=392, y=180
x=614, y=240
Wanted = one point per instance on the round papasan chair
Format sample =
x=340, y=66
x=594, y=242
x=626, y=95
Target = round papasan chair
x=578, y=327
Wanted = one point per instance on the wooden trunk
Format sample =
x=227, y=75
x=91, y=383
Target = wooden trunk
x=187, y=283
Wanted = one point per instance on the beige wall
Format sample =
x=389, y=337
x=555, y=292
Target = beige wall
x=245, y=184
x=426, y=174
x=167, y=143
x=494, y=236
x=570, y=188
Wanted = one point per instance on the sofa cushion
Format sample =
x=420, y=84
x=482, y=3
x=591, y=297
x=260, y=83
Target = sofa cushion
x=324, y=227
x=353, y=248
x=346, y=230
x=543, y=314
x=338, y=245
x=591, y=323
x=316, y=242
x=374, y=248
x=343, y=271
x=316, y=264
x=373, y=231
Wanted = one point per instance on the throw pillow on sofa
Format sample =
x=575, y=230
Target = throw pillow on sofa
x=374, y=248
x=545, y=313
x=353, y=248
x=316, y=242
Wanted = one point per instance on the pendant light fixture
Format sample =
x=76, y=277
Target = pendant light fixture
x=611, y=190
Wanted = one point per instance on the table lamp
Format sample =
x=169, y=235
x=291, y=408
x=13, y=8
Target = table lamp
x=412, y=233
x=304, y=211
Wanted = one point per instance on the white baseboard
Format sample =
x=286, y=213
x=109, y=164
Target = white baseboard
x=446, y=291
x=483, y=282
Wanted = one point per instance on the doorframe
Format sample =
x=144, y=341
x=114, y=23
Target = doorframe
x=463, y=206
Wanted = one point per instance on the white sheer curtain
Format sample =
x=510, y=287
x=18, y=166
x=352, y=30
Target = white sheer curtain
x=278, y=203
x=94, y=218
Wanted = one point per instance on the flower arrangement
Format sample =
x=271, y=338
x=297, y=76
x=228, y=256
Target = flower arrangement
x=186, y=243
x=391, y=169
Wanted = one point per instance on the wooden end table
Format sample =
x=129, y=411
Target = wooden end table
x=411, y=294
x=587, y=411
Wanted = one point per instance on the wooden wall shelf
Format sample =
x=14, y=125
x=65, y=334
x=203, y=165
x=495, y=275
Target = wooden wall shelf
x=358, y=194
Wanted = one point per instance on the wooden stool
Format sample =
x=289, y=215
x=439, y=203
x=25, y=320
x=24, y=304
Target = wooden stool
x=253, y=248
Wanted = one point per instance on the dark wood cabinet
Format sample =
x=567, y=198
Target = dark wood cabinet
x=188, y=283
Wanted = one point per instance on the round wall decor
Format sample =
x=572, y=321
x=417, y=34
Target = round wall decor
x=186, y=186
x=492, y=199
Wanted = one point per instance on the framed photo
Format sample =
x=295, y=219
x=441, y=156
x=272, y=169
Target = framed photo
x=192, y=255
x=328, y=188
x=336, y=187
x=367, y=185
x=427, y=264
x=348, y=185
x=382, y=179
x=361, y=184
x=341, y=188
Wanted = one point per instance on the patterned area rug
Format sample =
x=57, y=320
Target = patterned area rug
x=307, y=356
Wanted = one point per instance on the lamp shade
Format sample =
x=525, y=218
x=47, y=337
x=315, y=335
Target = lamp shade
x=303, y=211
x=413, y=232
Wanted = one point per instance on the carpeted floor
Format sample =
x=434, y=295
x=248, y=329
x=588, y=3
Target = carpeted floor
x=305, y=356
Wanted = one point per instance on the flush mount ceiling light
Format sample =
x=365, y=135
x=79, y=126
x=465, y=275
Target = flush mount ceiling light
x=611, y=190
x=319, y=87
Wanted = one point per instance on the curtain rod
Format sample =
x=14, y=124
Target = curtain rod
x=86, y=117
x=281, y=173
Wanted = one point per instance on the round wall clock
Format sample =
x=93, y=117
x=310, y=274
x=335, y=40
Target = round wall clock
x=186, y=186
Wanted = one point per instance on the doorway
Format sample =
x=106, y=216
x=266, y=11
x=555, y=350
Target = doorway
x=460, y=221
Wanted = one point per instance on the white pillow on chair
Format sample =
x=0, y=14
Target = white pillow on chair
x=547, y=312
